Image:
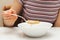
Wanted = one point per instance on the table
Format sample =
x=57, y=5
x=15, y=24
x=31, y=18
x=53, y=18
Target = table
x=16, y=34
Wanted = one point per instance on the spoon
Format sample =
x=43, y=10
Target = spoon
x=29, y=21
x=19, y=16
x=22, y=18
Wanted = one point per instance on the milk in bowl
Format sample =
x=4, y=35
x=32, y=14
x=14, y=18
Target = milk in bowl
x=34, y=28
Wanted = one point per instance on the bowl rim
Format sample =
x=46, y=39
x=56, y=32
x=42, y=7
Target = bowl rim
x=40, y=22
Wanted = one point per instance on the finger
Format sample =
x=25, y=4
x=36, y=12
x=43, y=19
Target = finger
x=11, y=21
x=12, y=11
x=5, y=15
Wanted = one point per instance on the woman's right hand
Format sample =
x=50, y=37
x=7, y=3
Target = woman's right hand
x=9, y=19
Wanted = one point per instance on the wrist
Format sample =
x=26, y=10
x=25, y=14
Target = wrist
x=6, y=25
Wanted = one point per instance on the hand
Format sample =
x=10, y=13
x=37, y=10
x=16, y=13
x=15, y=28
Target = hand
x=9, y=19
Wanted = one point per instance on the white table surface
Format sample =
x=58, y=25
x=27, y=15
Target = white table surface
x=17, y=34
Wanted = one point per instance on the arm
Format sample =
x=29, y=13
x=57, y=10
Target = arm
x=16, y=6
x=11, y=5
x=57, y=23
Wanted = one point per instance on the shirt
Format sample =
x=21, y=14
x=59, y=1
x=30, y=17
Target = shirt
x=42, y=10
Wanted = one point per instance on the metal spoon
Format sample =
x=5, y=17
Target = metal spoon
x=19, y=16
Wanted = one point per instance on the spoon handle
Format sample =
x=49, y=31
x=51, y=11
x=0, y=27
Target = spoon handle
x=19, y=17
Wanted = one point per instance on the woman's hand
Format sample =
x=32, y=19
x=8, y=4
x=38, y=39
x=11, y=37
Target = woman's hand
x=9, y=19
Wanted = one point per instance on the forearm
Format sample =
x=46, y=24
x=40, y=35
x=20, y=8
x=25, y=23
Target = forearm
x=16, y=6
x=57, y=23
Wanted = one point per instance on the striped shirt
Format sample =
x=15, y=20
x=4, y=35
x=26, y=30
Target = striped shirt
x=41, y=10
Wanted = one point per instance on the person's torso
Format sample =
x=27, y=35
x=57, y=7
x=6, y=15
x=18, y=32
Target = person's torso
x=40, y=10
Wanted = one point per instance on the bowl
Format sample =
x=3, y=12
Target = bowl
x=35, y=30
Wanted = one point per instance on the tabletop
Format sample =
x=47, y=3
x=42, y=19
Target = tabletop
x=16, y=34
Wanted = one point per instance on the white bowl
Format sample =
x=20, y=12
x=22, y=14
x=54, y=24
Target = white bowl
x=35, y=30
